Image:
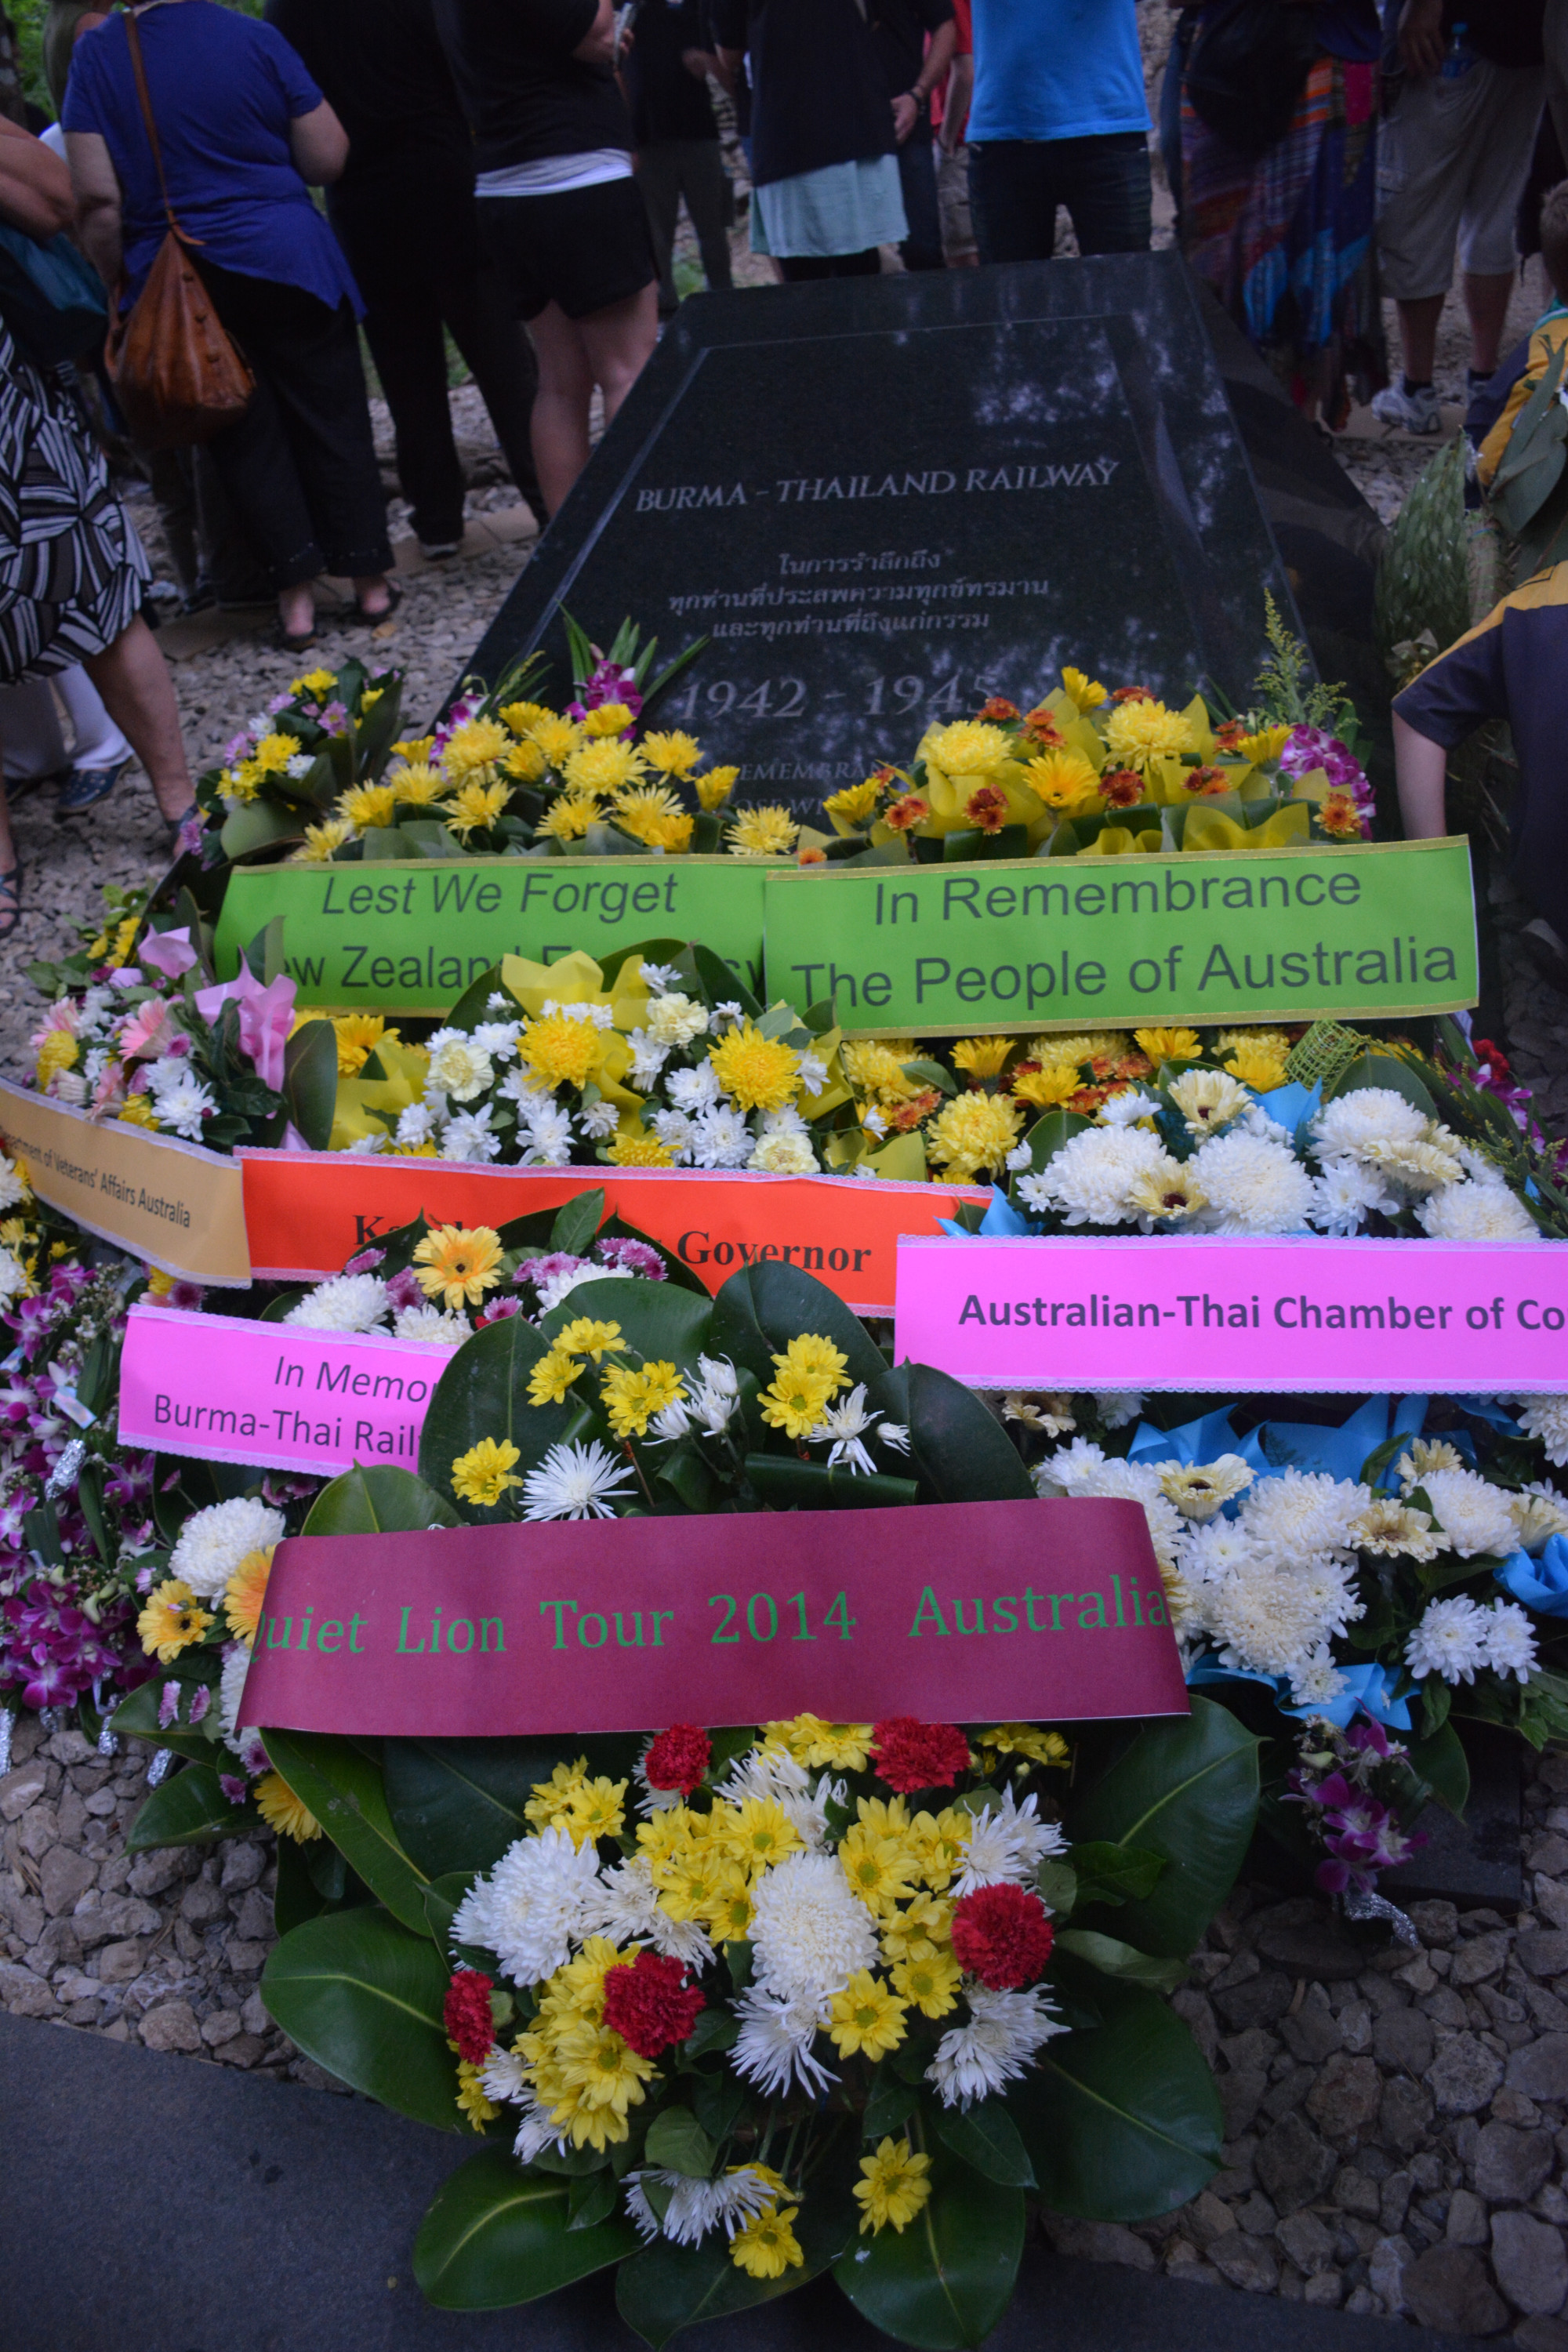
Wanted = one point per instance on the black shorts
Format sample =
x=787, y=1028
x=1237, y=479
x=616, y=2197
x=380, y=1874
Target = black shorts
x=581, y=249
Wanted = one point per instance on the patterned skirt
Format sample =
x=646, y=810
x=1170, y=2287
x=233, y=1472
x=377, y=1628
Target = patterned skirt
x=72, y=570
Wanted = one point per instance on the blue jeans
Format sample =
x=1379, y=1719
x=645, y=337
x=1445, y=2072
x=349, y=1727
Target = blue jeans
x=1017, y=184
x=921, y=249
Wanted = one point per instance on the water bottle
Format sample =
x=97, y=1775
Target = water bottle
x=1460, y=56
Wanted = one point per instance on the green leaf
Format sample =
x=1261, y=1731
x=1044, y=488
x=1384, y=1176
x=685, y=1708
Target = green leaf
x=1050, y=1132
x=187, y=1808
x=891, y=2104
x=496, y=2235
x=1384, y=1070
x=592, y=2200
x=372, y=1501
x=136, y=1717
x=1187, y=1790
x=1115, y=1874
x=759, y=1311
x=661, y=1323
x=457, y=1805
x=576, y=1222
x=363, y=1999
x=677, y=2141
x=958, y=1452
x=1113, y=1957
x=258, y=826
x=986, y=2139
x=483, y=1393
x=1442, y=1763
x=311, y=1878
x=946, y=2279
x=343, y=1789
x=311, y=1080
x=1058, y=1884
x=786, y=1485
x=1124, y=2122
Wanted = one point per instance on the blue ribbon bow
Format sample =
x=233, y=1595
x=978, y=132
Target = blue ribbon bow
x=1542, y=1584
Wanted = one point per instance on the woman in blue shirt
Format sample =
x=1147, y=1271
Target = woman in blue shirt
x=242, y=128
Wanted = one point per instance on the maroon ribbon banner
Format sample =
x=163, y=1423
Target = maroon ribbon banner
x=961, y=1612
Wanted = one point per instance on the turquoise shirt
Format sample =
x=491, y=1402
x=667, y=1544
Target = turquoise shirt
x=1057, y=69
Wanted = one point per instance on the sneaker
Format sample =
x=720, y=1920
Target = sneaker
x=1411, y=411
x=435, y=550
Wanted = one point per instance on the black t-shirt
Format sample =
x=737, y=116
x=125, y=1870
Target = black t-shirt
x=380, y=66
x=820, y=93
x=524, y=93
x=900, y=28
x=1506, y=31
x=667, y=101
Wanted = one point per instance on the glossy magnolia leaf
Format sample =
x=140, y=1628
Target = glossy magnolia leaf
x=311, y=1878
x=1186, y=1789
x=311, y=1080
x=373, y=1501
x=759, y=1311
x=362, y=1996
x=986, y=2139
x=1114, y=1874
x=483, y=1393
x=496, y=2235
x=1388, y=1071
x=343, y=1789
x=1115, y=1959
x=1124, y=2122
x=945, y=2280
x=576, y=1222
x=187, y=1808
x=678, y=2143
x=258, y=825
x=457, y=1805
x=136, y=1717
x=958, y=1452
x=1442, y=1763
x=662, y=1323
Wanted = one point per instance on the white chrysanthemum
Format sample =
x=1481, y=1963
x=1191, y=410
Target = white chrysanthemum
x=349, y=1302
x=629, y=1912
x=784, y=1155
x=1210, y=1552
x=548, y=1129
x=460, y=1066
x=213, y=1542
x=1251, y=1186
x=694, y=1090
x=676, y=1020
x=693, y=2208
x=1316, y=1680
x=1450, y=1641
x=470, y=1135
x=1347, y=1194
x=1510, y=1641
x=575, y=1482
x=1116, y=1407
x=1271, y=1619
x=182, y=1106
x=1476, y=1213
x=773, y=2049
x=522, y=1086
x=1089, y=1179
x=504, y=2077
x=674, y=1130
x=12, y=1188
x=421, y=1120
x=720, y=1138
x=533, y=1907
x=13, y=1276
x=1298, y=1513
x=1005, y=2030
x=1474, y=1516
x=429, y=1325
x=497, y=1038
x=237, y=1737
x=1006, y=1844
x=1545, y=1418
x=1349, y=1127
x=847, y=1424
x=557, y=1287
x=1081, y=1469
x=810, y=1932
x=1538, y=1515
x=772, y=1776
x=649, y=1059
x=598, y=1120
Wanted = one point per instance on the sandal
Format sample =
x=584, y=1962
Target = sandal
x=287, y=642
x=373, y=620
x=10, y=900
x=84, y=787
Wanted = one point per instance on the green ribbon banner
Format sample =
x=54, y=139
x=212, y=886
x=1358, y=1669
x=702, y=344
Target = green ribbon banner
x=1374, y=931
x=394, y=936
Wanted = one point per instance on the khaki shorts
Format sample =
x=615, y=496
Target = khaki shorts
x=953, y=200
x=1451, y=166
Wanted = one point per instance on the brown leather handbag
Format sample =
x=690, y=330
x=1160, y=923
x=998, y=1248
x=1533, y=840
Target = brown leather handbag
x=176, y=373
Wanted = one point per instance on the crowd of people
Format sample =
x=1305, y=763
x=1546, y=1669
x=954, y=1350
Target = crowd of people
x=509, y=174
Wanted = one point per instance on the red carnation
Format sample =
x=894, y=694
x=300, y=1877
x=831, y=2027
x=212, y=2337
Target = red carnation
x=1001, y=1935
x=650, y=2004
x=467, y=2015
x=677, y=1758
x=913, y=1755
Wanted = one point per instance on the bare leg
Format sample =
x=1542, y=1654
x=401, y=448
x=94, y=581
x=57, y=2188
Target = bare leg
x=138, y=693
x=1418, y=334
x=374, y=593
x=296, y=609
x=560, y=424
x=620, y=343
x=1487, y=300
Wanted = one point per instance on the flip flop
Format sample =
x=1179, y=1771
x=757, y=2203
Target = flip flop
x=373, y=620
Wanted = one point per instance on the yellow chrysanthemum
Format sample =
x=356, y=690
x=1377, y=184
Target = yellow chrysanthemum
x=556, y=738
x=414, y=749
x=560, y=1051
x=1045, y=1089
x=651, y=813
x=1267, y=744
x=608, y=718
x=1168, y=1045
x=757, y=1072
x=974, y=1132
x=767, y=2246
x=568, y=817
x=321, y=840
x=605, y=765
x=714, y=789
x=673, y=754
x=159, y=1283
x=418, y=786
x=472, y=747
x=1087, y=692
x=240, y=783
x=762, y=833
x=282, y=1810
x=596, y=1809
x=632, y=1398
x=471, y=2100
x=1141, y=731
x=810, y=1353
x=475, y=807
x=1062, y=779
x=1025, y=1740
x=551, y=1376
x=58, y=1051
x=881, y=1870
x=759, y=1832
x=137, y=1110
x=875, y=1068
x=171, y=1620
x=969, y=746
x=821, y=1746
x=856, y=803
x=1261, y=1071
x=358, y=1035
x=795, y=1401
x=316, y=682
x=524, y=763
x=523, y=717
x=483, y=1474
x=982, y=1056
x=273, y=753
x=367, y=804
x=587, y=1337
x=929, y=1980
x=547, y=1800
x=866, y=2018
x=245, y=1591
x=894, y=2186
x=457, y=1263
x=634, y=1150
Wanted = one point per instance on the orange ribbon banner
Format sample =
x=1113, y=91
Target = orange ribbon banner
x=307, y=1212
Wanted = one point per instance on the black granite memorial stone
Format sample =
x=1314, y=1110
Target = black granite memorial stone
x=881, y=500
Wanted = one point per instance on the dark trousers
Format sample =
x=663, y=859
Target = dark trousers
x=1017, y=184
x=794, y=267
x=667, y=171
x=301, y=464
x=921, y=249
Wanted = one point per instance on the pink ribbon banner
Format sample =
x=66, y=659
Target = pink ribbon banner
x=966, y=1612
x=218, y=1389
x=1213, y=1312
